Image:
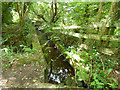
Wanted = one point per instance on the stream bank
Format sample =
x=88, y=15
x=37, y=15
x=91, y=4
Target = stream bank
x=58, y=69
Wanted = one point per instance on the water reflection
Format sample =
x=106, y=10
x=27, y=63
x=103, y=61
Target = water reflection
x=58, y=70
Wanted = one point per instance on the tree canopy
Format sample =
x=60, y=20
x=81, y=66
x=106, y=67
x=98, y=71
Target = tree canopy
x=85, y=33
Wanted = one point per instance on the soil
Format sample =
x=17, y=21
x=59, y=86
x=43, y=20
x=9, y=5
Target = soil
x=23, y=73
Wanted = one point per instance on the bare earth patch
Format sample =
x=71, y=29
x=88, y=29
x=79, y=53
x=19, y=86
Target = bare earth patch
x=23, y=72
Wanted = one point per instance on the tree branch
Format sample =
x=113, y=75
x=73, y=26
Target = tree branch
x=55, y=7
x=27, y=9
x=100, y=11
x=54, y=15
x=22, y=10
x=52, y=10
x=40, y=16
x=18, y=9
x=104, y=24
x=57, y=17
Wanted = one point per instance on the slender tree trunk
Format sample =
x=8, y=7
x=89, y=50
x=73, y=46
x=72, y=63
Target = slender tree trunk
x=22, y=20
x=52, y=9
x=99, y=13
x=53, y=12
x=112, y=26
x=104, y=24
x=113, y=19
x=22, y=13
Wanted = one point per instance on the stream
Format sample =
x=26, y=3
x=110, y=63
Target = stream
x=58, y=70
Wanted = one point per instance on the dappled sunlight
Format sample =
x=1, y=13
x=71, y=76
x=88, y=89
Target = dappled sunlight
x=70, y=44
x=15, y=16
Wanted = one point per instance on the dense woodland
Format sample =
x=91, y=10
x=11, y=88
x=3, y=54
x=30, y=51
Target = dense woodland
x=85, y=33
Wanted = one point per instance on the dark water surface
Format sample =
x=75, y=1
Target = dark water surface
x=58, y=70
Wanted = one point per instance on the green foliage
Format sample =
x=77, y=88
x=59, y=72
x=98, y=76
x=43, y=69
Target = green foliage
x=6, y=12
x=101, y=69
x=69, y=81
x=8, y=59
x=117, y=31
x=15, y=35
x=91, y=66
x=26, y=49
x=80, y=61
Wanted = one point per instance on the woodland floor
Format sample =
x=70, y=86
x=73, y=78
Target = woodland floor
x=26, y=72
x=23, y=73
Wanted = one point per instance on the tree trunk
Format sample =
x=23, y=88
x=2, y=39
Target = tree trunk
x=22, y=20
x=104, y=24
x=113, y=19
x=99, y=13
x=22, y=13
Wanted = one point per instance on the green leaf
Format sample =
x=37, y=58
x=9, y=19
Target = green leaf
x=102, y=79
x=100, y=86
x=73, y=50
x=57, y=38
x=100, y=83
x=34, y=80
x=27, y=49
x=108, y=72
x=112, y=85
x=96, y=80
x=67, y=56
x=33, y=65
x=94, y=75
x=93, y=83
x=113, y=80
x=76, y=67
x=78, y=73
x=79, y=53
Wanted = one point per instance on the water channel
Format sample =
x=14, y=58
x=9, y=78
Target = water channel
x=58, y=70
